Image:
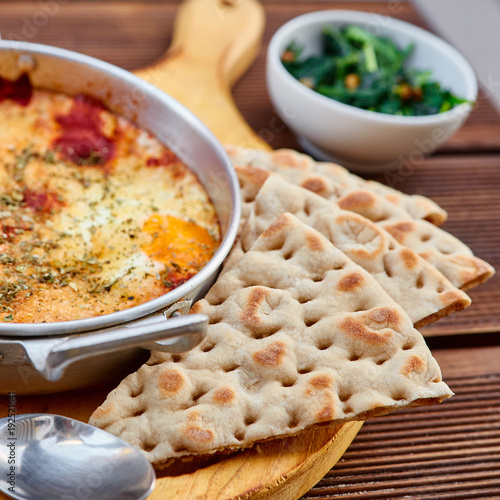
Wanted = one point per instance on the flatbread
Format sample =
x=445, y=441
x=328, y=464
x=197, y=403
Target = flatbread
x=445, y=252
x=423, y=292
x=299, y=336
x=332, y=179
x=448, y=254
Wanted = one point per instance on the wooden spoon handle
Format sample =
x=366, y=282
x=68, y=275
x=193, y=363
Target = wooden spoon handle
x=214, y=42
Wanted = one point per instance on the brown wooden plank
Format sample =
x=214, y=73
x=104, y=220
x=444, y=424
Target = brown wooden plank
x=451, y=451
x=134, y=34
x=468, y=187
x=480, y=133
x=438, y=452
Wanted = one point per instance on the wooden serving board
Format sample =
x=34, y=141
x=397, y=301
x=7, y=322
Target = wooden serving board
x=214, y=42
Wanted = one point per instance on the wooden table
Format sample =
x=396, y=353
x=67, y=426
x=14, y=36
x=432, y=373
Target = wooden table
x=451, y=451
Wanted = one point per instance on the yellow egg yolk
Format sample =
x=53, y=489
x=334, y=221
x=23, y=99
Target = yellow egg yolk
x=178, y=243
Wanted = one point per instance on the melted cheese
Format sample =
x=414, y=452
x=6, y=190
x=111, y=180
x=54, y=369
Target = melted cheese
x=96, y=215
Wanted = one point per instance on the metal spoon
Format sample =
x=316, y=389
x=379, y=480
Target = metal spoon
x=49, y=456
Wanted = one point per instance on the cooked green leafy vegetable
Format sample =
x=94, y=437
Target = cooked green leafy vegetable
x=368, y=71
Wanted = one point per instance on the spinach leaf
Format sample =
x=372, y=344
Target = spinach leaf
x=370, y=72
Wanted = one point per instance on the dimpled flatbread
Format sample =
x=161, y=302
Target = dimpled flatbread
x=448, y=254
x=299, y=335
x=381, y=200
x=422, y=291
x=445, y=252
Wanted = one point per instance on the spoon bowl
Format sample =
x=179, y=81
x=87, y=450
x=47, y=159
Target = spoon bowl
x=50, y=456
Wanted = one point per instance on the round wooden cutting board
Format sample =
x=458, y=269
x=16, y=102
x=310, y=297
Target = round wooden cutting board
x=214, y=42
x=282, y=469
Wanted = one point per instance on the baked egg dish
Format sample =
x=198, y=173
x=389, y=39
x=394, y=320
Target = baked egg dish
x=96, y=215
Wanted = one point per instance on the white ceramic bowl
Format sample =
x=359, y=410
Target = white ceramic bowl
x=366, y=141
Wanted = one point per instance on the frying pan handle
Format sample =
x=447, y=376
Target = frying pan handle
x=178, y=334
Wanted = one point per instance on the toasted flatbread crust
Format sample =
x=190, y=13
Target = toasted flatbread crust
x=422, y=291
x=299, y=336
x=447, y=253
x=316, y=176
